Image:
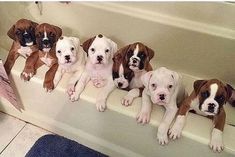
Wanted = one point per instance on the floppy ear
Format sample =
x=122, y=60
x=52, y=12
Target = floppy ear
x=176, y=76
x=145, y=78
x=198, y=84
x=117, y=57
x=58, y=32
x=34, y=24
x=114, y=46
x=11, y=32
x=229, y=89
x=87, y=44
x=150, y=52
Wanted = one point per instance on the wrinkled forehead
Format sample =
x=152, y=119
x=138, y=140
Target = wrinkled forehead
x=64, y=43
x=162, y=78
x=23, y=24
x=100, y=43
x=45, y=28
x=140, y=46
x=214, y=86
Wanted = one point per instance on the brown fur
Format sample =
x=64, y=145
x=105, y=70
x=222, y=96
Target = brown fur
x=13, y=54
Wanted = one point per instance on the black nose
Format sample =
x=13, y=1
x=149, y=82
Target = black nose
x=99, y=58
x=120, y=84
x=67, y=57
x=135, y=60
x=45, y=42
x=162, y=96
x=211, y=107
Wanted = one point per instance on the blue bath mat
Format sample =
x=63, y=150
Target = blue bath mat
x=57, y=146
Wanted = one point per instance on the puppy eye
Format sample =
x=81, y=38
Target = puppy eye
x=170, y=86
x=72, y=48
x=92, y=49
x=220, y=99
x=205, y=94
x=107, y=50
x=58, y=51
x=154, y=86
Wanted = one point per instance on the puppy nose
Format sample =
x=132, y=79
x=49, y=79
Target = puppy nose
x=100, y=58
x=120, y=84
x=135, y=60
x=67, y=57
x=162, y=96
x=211, y=107
x=45, y=42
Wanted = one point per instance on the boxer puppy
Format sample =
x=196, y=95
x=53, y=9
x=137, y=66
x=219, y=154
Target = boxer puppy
x=24, y=42
x=71, y=58
x=46, y=37
x=137, y=58
x=122, y=75
x=98, y=69
x=162, y=87
x=207, y=99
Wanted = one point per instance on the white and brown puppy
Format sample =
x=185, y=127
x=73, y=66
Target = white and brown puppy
x=46, y=38
x=71, y=58
x=24, y=42
x=162, y=87
x=98, y=69
x=122, y=74
x=207, y=99
x=137, y=58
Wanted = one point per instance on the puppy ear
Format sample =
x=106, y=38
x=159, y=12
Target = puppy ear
x=75, y=41
x=198, y=84
x=145, y=78
x=229, y=89
x=11, y=32
x=175, y=76
x=34, y=24
x=117, y=57
x=58, y=32
x=87, y=44
x=114, y=46
x=150, y=52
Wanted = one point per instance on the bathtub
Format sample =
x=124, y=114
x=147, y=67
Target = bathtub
x=116, y=132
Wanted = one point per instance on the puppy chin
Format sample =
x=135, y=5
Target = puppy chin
x=29, y=44
x=134, y=68
x=46, y=49
x=209, y=113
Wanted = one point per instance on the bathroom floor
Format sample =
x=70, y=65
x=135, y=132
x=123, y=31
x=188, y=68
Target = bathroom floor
x=17, y=136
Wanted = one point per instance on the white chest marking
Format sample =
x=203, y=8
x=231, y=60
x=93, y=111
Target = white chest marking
x=25, y=51
x=46, y=60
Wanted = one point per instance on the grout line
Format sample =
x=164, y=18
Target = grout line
x=13, y=138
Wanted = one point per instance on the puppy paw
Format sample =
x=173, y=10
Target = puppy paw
x=26, y=76
x=70, y=89
x=100, y=105
x=216, y=143
x=162, y=134
x=98, y=83
x=175, y=132
x=143, y=117
x=74, y=97
x=127, y=100
x=48, y=86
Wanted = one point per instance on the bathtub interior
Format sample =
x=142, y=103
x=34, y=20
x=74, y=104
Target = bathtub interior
x=192, y=53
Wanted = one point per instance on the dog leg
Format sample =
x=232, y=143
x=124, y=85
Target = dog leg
x=58, y=76
x=79, y=86
x=102, y=96
x=128, y=99
x=163, y=128
x=10, y=61
x=144, y=115
x=48, y=83
x=216, y=143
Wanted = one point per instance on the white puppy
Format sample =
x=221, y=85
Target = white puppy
x=98, y=69
x=71, y=58
x=163, y=87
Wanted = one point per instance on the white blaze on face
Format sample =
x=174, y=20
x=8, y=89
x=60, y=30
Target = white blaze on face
x=121, y=71
x=136, y=51
x=211, y=100
x=45, y=36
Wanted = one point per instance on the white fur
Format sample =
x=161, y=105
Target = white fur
x=25, y=51
x=76, y=63
x=162, y=77
x=134, y=66
x=128, y=99
x=216, y=143
x=99, y=74
x=176, y=130
x=45, y=59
